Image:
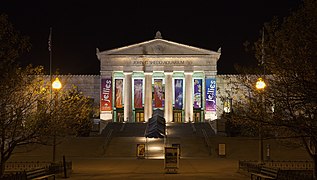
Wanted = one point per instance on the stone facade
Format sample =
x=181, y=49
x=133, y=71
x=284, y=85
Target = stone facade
x=158, y=64
x=89, y=85
x=126, y=89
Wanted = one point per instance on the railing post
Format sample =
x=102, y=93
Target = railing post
x=65, y=169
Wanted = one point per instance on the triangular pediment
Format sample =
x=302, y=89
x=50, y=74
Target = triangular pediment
x=158, y=47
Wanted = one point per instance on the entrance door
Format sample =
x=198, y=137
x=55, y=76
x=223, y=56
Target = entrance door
x=177, y=116
x=197, y=115
x=139, y=116
x=119, y=115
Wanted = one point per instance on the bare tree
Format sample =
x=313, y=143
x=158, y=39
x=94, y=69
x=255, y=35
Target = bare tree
x=287, y=107
x=28, y=114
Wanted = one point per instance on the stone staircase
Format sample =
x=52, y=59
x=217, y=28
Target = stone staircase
x=126, y=136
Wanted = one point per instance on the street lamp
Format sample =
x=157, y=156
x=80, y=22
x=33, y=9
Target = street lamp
x=56, y=85
x=260, y=85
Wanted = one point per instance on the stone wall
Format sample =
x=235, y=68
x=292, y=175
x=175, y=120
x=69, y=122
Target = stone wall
x=89, y=85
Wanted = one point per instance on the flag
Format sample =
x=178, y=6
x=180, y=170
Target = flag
x=50, y=40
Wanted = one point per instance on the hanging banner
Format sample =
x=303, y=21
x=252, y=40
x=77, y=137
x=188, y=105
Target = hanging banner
x=158, y=96
x=138, y=93
x=178, y=99
x=197, y=93
x=211, y=94
x=118, y=93
x=106, y=95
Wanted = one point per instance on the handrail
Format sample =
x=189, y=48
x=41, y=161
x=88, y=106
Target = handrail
x=107, y=140
x=283, y=165
x=288, y=169
x=193, y=127
x=19, y=166
x=122, y=127
x=213, y=128
x=206, y=141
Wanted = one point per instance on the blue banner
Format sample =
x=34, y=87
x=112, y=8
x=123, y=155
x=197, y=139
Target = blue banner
x=178, y=86
x=211, y=94
x=197, y=93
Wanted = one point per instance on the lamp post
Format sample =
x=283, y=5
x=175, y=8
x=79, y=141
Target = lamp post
x=56, y=85
x=260, y=86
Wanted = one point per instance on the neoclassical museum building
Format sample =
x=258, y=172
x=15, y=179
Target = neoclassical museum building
x=134, y=80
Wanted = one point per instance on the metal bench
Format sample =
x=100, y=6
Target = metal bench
x=41, y=173
x=265, y=173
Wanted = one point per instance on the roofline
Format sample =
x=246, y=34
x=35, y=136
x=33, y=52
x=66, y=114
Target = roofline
x=111, y=51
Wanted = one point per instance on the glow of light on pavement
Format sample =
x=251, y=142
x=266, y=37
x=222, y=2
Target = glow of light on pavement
x=153, y=139
x=140, y=139
x=155, y=148
x=156, y=157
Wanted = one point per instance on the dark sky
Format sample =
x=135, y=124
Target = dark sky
x=79, y=27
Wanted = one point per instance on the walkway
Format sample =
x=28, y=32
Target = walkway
x=131, y=168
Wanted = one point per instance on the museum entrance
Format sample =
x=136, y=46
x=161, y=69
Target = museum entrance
x=119, y=115
x=177, y=115
x=197, y=115
x=139, y=115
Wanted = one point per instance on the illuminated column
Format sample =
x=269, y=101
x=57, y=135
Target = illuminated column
x=128, y=97
x=168, y=114
x=189, y=96
x=148, y=96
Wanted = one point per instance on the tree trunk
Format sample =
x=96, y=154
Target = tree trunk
x=2, y=168
x=315, y=166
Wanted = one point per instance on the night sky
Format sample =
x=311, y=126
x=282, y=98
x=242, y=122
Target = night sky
x=79, y=27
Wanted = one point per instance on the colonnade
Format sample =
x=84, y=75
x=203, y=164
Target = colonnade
x=168, y=104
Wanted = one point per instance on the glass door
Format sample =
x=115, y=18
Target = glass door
x=119, y=115
x=139, y=116
x=177, y=116
x=197, y=115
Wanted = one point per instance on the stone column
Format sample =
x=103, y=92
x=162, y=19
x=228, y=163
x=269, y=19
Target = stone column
x=168, y=114
x=148, y=96
x=128, y=97
x=189, y=97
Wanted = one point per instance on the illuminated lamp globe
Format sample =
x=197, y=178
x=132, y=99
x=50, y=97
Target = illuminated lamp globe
x=57, y=84
x=260, y=84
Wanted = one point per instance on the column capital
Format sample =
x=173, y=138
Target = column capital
x=188, y=73
x=127, y=73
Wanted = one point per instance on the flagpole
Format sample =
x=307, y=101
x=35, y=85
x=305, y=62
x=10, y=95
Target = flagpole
x=263, y=52
x=51, y=93
x=50, y=51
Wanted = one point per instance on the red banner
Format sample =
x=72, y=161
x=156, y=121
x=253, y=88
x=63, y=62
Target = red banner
x=118, y=93
x=106, y=95
x=158, y=93
x=138, y=93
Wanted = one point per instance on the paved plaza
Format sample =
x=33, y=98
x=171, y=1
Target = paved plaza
x=90, y=161
x=107, y=168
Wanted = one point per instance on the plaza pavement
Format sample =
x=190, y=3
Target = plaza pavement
x=90, y=161
x=116, y=168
